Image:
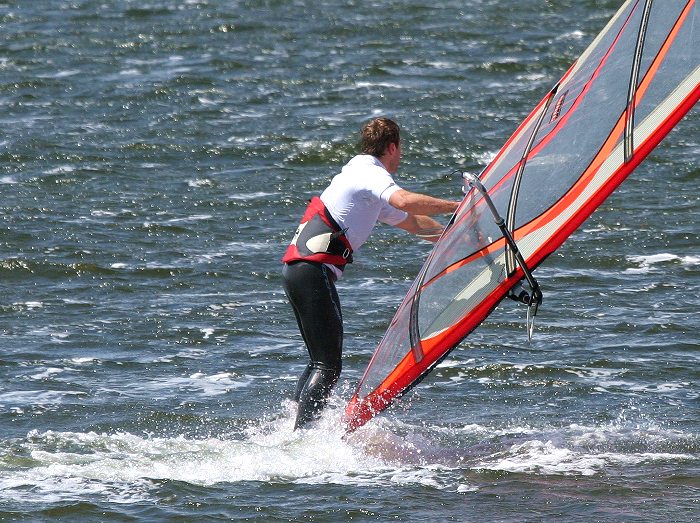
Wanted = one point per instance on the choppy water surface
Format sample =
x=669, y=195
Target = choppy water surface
x=154, y=159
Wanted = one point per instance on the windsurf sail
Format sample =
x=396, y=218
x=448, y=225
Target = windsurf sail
x=635, y=81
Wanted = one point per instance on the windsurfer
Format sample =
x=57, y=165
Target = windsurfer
x=332, y=228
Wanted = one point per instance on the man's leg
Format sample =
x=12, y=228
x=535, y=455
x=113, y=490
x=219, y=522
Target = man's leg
x=311, y=290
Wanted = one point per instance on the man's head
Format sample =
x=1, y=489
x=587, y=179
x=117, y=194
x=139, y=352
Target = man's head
x=380, y=138
x=376, y=136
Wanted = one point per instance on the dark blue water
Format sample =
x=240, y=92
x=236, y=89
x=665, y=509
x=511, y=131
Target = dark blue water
x=155, y=158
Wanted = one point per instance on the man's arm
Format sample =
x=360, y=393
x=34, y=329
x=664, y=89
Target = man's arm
x=423, y=226
x=421, y=204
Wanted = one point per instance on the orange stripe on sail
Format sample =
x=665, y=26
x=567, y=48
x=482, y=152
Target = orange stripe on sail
x=580, y=186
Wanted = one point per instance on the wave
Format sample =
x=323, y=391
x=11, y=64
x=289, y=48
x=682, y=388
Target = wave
x=122, y=467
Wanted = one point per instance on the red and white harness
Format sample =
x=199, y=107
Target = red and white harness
x=319, y=238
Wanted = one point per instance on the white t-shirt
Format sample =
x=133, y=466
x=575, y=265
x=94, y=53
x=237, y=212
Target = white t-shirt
x=358, y=198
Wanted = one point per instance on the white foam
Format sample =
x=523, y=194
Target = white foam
x=590, y=450
x=84, y=359
x=487, y=157
x=198, y=383
x=441, y=65
x=188, y=219
x=121, y=467
x=61, y=74
x=532, y=77
x=648, y=262
x=99, y=212
x=188, y=354
x=202, y=182
x=43, y=398
x=250, y=195
x=236, y=247
x=596, y=373
x=47, y=373
x=572, y=35
x=61, y=169
x=690, y=260
x=543, y=458
x=208, y=101
x=369, y=85
x=30, y=305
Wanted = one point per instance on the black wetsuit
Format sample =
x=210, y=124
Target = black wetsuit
x=310, y=288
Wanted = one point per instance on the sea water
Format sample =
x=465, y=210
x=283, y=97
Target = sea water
x=156, y=157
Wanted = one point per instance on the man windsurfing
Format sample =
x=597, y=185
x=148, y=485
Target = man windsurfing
x=333, y=228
